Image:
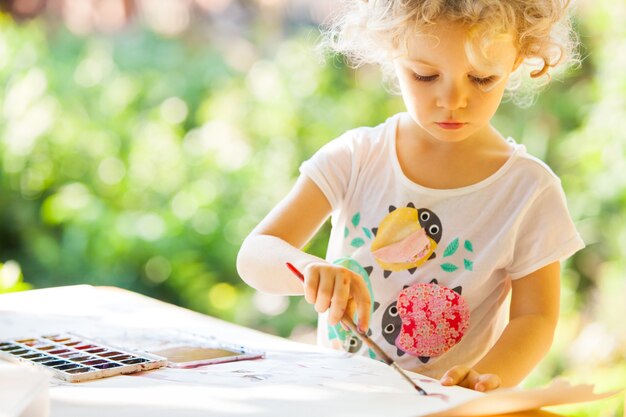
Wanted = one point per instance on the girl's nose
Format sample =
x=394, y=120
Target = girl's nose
x=452, y=97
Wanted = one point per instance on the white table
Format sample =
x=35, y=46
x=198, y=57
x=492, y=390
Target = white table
x=293, y=380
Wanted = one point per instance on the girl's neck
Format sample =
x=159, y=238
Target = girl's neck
x=444, y=165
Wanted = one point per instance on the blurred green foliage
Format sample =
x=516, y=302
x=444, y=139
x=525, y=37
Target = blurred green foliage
x=142, y=162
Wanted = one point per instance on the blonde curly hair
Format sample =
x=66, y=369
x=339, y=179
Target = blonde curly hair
x=374, y=31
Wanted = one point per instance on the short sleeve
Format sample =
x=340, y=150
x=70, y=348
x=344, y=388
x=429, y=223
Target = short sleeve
x=545, y=234
x=330, y=169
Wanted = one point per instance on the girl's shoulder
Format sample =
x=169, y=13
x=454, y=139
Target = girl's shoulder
x=530, y=166
x=370, y=137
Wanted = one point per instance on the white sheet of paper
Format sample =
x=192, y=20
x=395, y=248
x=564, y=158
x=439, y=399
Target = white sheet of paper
x=294, y=378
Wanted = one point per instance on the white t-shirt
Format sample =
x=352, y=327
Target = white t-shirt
x=438, y=262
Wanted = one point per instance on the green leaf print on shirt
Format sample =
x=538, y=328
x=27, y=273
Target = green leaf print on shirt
x=448, y=267
x=356, y=219
x=358, y=241
x=451, y=249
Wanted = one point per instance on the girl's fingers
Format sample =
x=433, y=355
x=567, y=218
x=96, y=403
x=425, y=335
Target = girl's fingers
x=311, y=283
x=339, y=300
x=469, y=378
x=363, y=303
x=350, y=309
x=324, y=290
x=334, y=287
x=487, y=382
x=455, y=375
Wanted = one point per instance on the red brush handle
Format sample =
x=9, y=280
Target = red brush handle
x=295, y=271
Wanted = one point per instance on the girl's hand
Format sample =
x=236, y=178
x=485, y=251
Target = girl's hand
x=339, y=290
x=469, y=378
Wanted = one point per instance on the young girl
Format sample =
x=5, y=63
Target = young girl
x=436, y=216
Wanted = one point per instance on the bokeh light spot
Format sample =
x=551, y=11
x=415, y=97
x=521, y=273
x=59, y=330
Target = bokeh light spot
x=174, y=110
x=150, y=227
x=223, y=296
x=158, y=269
x=10, y=274
x=111, y=170
x=270, y=304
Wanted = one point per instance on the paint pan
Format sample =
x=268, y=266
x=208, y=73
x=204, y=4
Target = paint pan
x=74, y=358
x=192, y=356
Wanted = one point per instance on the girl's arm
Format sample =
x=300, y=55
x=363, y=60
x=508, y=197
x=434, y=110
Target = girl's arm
x=526, y=339
x=279, y=238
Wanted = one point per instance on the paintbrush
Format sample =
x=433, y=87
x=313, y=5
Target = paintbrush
x=349, y=323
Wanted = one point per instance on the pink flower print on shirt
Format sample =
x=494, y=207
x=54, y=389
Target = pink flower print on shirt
x=434, y=318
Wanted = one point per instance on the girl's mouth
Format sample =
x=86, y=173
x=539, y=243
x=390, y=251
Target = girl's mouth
x=450, y=125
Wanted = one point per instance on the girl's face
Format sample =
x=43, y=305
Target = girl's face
x=450, y=98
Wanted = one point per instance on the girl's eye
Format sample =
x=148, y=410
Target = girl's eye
x=425, y=78
x=483, y=81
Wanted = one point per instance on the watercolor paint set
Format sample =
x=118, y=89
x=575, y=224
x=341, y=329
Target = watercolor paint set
x=74, y=358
